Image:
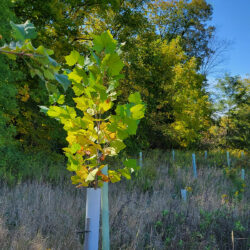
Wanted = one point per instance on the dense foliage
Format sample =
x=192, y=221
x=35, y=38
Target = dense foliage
x=232, y=111
x=165, y=47
x=94, y=131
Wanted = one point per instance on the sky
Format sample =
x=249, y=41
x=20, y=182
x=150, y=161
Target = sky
x=232, y=21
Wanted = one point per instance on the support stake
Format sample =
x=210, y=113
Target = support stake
x=105, y=213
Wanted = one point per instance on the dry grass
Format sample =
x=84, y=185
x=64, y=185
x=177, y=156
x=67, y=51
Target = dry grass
x=146, y=213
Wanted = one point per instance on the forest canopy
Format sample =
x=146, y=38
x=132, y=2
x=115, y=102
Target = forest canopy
x=164, y=45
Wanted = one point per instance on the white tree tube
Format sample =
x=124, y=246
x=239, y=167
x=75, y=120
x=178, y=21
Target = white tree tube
x=93, y=204
x=184, y=194
x=140, y=160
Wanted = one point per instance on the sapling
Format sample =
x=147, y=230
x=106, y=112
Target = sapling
x=96, y=126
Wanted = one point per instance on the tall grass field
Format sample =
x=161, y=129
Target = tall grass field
x=146, y=212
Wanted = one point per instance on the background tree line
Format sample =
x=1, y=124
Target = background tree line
x=166, y=46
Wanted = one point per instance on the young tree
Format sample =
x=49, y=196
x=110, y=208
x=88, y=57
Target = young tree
x=94, y=130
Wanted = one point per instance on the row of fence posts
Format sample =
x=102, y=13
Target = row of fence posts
x=184, y=191
x=92, y=208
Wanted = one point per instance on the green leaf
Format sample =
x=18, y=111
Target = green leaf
x=53, y=98
x=105, y=106
x=55, y=111
x=75, y=147
x=114, y=176
x=97, y=59
x=105, y=41
x=63, y=113
x=77, y=75
x=72, y=167
x=72, y=58
x=21, y=32
x=78, y=89
x=131, y=164
x=132, y=126
x=135, y=98
x=63, y=80
x=125, y=172
x=81, y=60
x=113, y=64
x=83, y=103
x=61, y=99
x=52, y=88
x=48, y=74
x=123, y=110
x=53, y=62
x=43, y=51
x=118, y=145
x=75, y=179
x=137, y=111
x=121, y=134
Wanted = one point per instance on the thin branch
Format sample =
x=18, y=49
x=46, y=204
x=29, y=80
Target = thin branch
x=19, y=53
x=82, y=38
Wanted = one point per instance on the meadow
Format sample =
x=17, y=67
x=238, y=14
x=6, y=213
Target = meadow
x=146, y=212
x=83, y=80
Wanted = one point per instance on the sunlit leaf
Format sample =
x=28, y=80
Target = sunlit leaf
x=118, y=145
x=104, y=42
x=113, y=64
x=135, y=98
x=72, y=58
x=92, y=174
x=138, y=111
x=75, y=147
